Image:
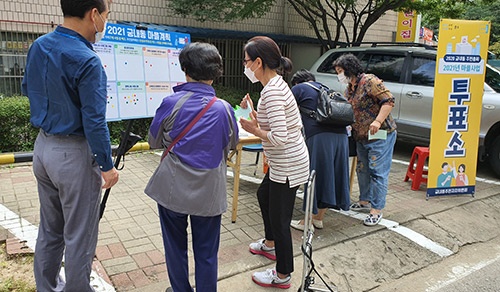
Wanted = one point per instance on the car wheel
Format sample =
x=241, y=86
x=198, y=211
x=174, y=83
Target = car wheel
x=494, y=156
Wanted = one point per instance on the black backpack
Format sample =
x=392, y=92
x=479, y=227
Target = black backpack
x=333, y=108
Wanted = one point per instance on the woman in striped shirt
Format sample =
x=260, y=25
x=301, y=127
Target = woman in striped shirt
x=277, y=122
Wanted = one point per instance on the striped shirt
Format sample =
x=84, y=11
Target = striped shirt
x=286, y=151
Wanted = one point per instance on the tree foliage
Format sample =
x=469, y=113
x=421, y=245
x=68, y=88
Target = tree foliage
x=486, y=10
x=346, y=20
x=329, y=19
x=434, y=10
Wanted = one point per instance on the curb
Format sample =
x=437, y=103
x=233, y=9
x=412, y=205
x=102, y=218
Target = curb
x=9, y=158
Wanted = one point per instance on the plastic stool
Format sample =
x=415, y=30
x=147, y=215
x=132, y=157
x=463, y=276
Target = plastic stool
x=254, y=148
x=415, y=174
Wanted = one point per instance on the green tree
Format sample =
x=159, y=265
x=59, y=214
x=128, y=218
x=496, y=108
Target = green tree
x=434, y=10
x=495, y=48
x=486, y=10
x=328, y=19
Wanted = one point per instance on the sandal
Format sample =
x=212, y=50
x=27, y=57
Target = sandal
x=359, y=207
x=372, y=220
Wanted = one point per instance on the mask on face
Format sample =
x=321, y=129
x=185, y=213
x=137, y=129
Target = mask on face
x=100, y=34
x=250, y=75
x=342, y=78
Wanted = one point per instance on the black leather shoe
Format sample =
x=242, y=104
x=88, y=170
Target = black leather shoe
x=169, y=289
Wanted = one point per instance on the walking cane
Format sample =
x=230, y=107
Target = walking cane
x=126, y=143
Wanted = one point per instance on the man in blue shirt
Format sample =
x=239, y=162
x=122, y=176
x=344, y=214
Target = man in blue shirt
x=66, y=85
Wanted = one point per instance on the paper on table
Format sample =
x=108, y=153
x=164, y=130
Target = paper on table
x=381, y=134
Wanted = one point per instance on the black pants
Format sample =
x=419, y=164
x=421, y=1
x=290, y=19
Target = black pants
x=276, y=201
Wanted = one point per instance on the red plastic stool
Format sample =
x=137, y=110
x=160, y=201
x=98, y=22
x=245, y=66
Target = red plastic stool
x=415, y=174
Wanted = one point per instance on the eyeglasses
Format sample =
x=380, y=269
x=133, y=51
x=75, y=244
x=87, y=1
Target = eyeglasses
x=245, y=61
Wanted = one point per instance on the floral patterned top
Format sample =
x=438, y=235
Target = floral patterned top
x=366, y=98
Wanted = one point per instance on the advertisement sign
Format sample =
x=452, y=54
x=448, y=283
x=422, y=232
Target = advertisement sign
x=456, y=109
x=426, y=35
x=142, y=67
x=407, y=26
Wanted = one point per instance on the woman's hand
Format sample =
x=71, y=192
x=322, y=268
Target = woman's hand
x=246, y=102
x=251, y=126
x=374, y=127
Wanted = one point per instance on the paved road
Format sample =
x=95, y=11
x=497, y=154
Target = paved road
x=474, y=269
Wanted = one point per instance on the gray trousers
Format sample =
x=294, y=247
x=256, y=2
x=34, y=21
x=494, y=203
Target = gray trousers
x=69, y=188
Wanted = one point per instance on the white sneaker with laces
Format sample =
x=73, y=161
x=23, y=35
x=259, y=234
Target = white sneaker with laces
x=261, y=248
x=269, y=278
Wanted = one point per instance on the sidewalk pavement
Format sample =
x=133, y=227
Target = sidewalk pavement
x=414, y=234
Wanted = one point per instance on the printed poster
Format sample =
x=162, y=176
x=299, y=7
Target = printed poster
x=142, y=67
x=456, y=110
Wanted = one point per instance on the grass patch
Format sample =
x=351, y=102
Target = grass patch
x=16, y=272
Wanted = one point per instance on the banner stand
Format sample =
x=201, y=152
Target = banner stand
x=456, y=109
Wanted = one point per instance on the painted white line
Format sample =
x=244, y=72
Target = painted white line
x=19, y=227
x=406, y=232
x=24, y=230
x=488, y=181
x=400, y=161
x=460, y=272
x=423, y=241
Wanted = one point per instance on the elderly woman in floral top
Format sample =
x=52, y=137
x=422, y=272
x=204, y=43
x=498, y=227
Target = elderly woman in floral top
x=372, y=103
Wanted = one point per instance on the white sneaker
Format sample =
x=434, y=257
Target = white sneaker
x=261, y=248
x=269, y=278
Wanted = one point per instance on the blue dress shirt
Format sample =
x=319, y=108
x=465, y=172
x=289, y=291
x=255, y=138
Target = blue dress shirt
x=66, y=85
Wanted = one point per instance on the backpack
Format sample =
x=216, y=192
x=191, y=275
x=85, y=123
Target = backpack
x=332, y=109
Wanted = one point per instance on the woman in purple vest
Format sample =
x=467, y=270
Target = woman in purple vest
x=191, y=179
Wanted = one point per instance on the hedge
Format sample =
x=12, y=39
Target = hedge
x=17, y=134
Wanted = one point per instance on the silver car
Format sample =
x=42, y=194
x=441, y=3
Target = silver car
x=408, y=72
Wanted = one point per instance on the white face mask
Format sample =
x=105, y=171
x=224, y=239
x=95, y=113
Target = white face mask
x=250, y=74
x=342, y=78
x=100, y=34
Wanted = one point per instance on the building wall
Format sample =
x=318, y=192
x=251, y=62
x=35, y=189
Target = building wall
x=22, y=21
x=281, y=19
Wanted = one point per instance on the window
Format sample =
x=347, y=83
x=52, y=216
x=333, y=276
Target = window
x=326, y=66
x=492, y=78
x=13, y=49
x=423, y=71
x=384, y=66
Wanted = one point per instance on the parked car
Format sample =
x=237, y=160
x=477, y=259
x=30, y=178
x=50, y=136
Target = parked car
x=408, y=71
